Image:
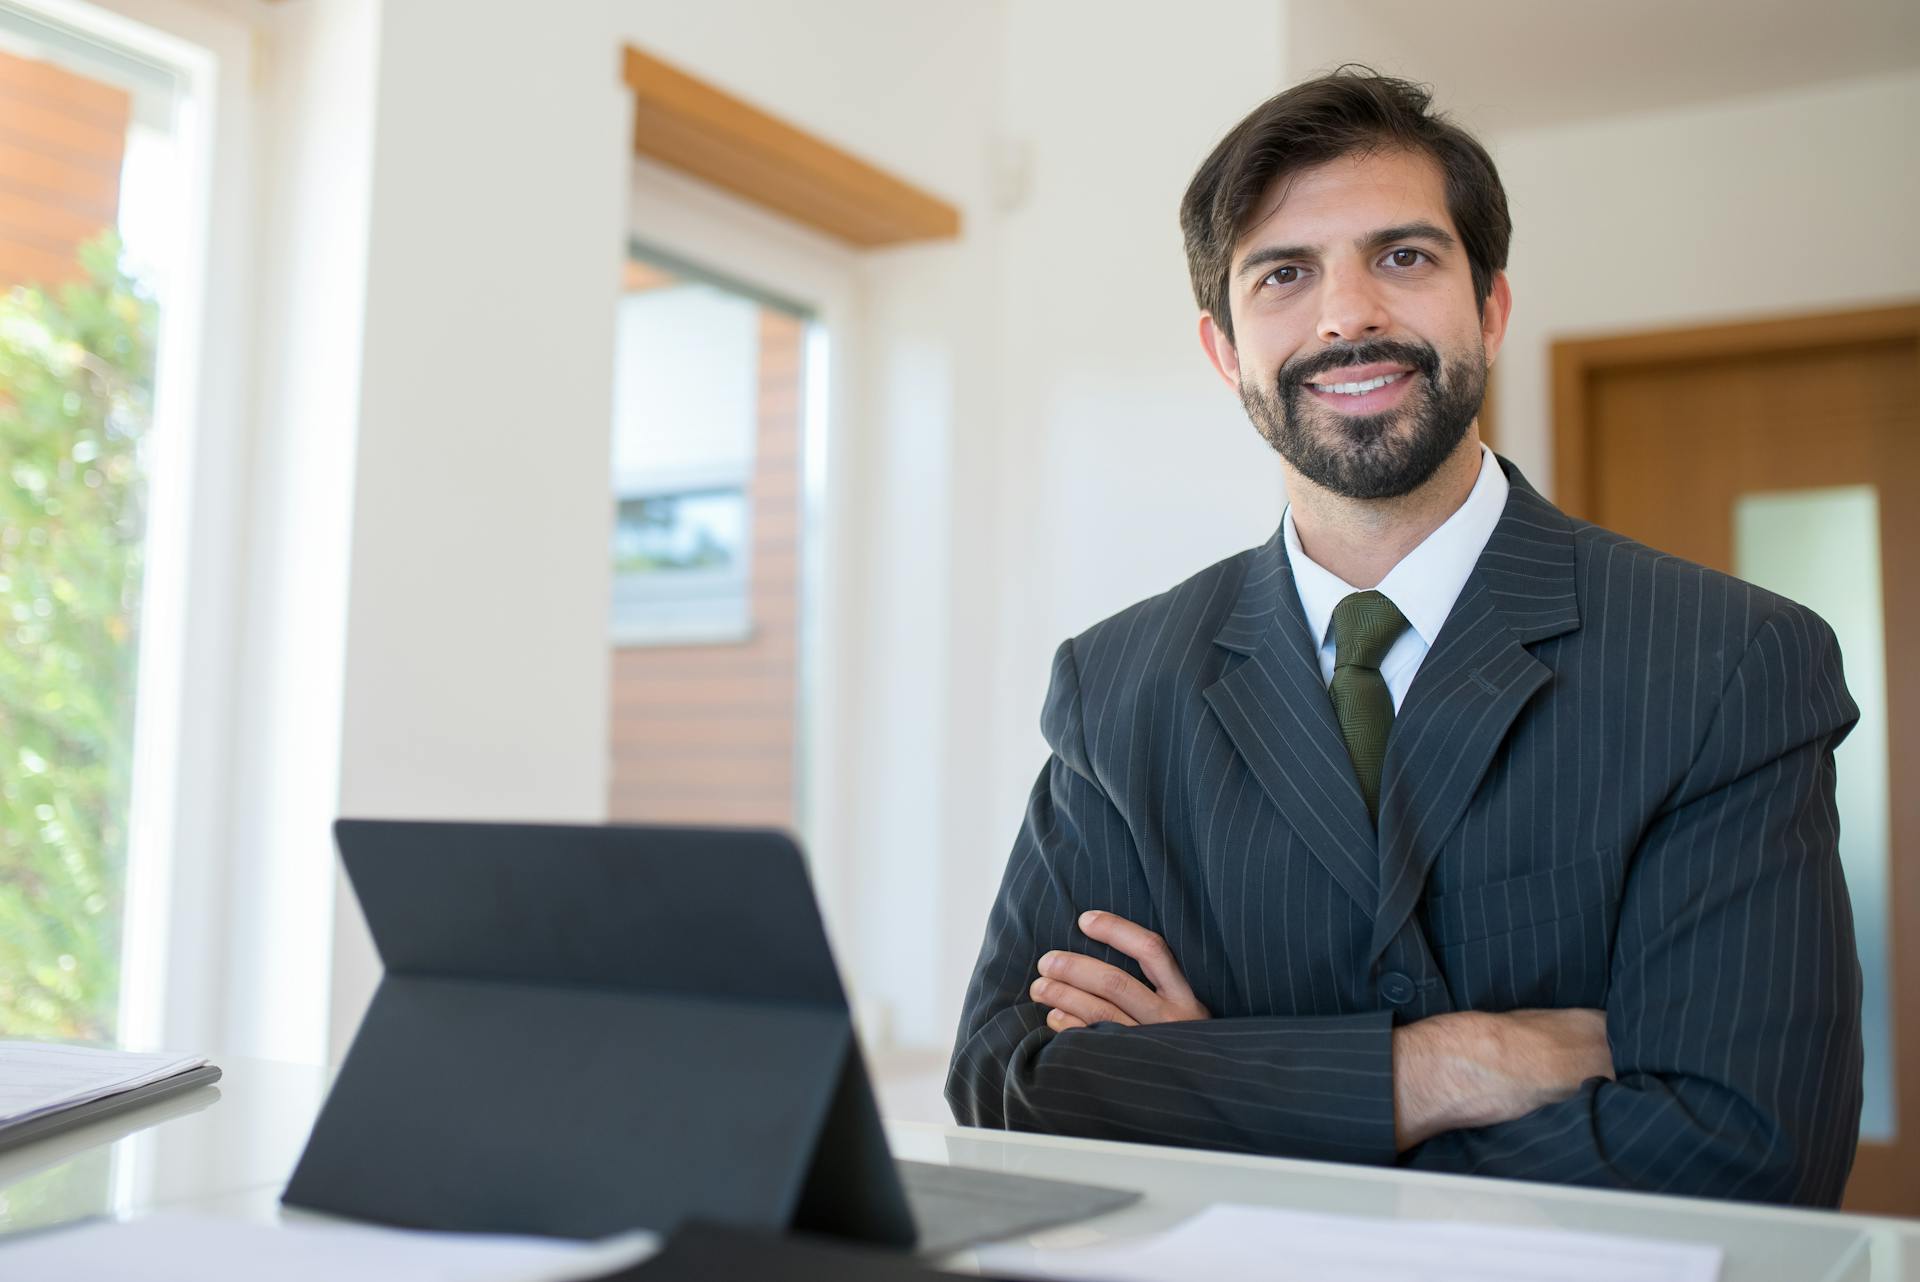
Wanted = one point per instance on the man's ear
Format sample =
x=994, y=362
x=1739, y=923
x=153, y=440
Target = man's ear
x=1494, y=314
x=1220, y=350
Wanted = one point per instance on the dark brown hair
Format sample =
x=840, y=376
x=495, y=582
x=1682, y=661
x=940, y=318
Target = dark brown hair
x=1350, y=110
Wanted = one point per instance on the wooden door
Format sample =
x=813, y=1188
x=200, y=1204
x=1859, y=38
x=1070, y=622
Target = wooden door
x=1678, y=439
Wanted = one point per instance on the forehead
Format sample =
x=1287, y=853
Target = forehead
x=1346, y=198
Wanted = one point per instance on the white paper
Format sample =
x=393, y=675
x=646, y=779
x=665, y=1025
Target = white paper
x=1244, y=1243
x=200, y=1248
x=44, y=1077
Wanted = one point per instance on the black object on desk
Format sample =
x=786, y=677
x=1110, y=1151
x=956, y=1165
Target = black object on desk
x=584, y=1030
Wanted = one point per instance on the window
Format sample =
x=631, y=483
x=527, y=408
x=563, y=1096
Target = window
x=686, y=425
x=96, y=191
x=706, y=550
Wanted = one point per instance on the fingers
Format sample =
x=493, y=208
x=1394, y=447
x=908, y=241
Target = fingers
x=1083, y=990
x=1145, y=947
x=1104, y=983
x=1082, y=1006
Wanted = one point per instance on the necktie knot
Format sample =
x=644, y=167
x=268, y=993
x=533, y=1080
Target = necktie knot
x=1365, y=626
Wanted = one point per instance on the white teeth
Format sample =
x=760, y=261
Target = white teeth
x=1357, y=389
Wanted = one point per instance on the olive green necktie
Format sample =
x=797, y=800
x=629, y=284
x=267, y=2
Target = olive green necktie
x=1365, y=626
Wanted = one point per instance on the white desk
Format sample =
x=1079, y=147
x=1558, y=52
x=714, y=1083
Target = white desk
x=228, y=1150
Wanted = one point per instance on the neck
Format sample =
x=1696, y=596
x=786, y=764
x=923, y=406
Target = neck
x=1362, y=539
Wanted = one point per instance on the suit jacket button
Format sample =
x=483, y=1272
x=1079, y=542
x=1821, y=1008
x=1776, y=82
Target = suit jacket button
x=1396, y=988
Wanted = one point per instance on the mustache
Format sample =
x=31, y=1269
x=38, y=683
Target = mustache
x=1374, y=351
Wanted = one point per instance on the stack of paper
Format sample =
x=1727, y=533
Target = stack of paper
x=1243, y=1243
x=40, y=1078
x=200, y=1248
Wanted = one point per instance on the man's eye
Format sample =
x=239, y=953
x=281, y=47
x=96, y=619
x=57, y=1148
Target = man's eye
x=1406, y=257
x=1283, y=275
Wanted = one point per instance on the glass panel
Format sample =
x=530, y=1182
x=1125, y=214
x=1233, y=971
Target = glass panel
x=707, y=549
x=95, y=185
x=1822, y=549
x=686, y=405
x=695, y=530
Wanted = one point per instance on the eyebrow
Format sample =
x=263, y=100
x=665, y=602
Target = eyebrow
x=1420, y=230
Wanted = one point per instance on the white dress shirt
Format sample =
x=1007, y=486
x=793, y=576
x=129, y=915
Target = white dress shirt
x=1423, y=586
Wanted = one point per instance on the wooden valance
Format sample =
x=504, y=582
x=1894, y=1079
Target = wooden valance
x=682, y=121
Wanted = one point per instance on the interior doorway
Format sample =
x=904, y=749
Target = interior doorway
x=1787, y=452
x=707, y=584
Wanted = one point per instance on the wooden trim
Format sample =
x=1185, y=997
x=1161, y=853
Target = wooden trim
x=682, y=121
x=1574, y=361
x=1570, y=444
x=638, y=277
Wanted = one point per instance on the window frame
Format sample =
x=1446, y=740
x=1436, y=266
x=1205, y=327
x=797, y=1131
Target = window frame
x=173, y=967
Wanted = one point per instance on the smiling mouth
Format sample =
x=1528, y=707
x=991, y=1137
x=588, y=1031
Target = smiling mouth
x=1360, y=388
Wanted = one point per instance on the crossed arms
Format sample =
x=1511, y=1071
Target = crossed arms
x=1730, y=1059
x=1450, y=1071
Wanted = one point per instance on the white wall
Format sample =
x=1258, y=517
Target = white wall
x=1043, y=440
x=894, y=754
x=475, y=680
x=1793, y=202
x=477, y=654
x=316, y=131
x=1120, y=464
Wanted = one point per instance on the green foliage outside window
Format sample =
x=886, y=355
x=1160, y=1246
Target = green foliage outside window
x=76, y=380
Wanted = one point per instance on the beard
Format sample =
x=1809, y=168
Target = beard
x=1376, y=456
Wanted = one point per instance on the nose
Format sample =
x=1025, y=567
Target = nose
x=1351, y=307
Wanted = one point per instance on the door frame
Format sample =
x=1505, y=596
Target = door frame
x=1575, y=362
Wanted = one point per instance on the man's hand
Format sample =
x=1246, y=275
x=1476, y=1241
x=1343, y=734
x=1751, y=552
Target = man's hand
x=1471, y=1068
x=1083, y=991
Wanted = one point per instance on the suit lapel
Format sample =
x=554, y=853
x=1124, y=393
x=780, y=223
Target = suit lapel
x=1274, y=707
x=1468, y=692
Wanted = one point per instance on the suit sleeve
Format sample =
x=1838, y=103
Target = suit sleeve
x=1319, y=1087
x=1733, y=1010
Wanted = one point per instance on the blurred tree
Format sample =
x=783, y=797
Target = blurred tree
x=76, y=380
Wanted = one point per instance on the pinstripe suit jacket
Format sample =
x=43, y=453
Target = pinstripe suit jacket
x=1611, y=785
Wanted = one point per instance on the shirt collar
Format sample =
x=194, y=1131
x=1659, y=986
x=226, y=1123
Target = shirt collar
x=1428, y=580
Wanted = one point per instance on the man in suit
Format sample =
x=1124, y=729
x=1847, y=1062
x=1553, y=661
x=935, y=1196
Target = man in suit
x=1442, y=828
